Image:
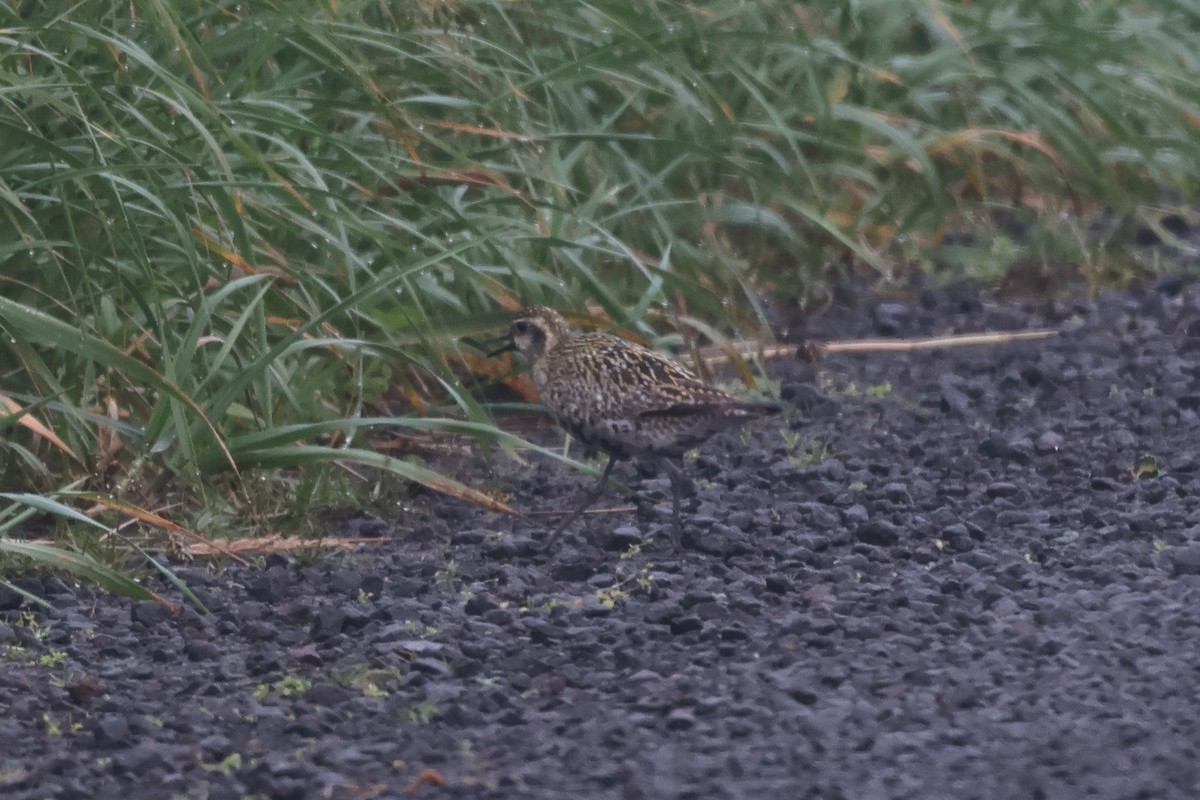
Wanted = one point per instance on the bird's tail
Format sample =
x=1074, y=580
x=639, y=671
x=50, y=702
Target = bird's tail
x=737, y=409
x=756, y=408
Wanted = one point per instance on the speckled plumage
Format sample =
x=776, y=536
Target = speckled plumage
x=621, y=398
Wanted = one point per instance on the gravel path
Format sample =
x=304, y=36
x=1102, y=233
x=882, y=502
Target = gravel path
x=965, y=573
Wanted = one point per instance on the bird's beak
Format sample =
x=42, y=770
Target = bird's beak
x=507, y=348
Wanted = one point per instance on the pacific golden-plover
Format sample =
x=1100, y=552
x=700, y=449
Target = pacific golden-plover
x=623, y=399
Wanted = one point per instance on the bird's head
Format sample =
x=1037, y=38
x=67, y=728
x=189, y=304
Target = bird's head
x=535, y=332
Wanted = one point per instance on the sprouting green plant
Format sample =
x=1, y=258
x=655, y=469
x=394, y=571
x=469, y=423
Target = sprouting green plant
x=52, y=659
x=804, y=451
x=1147, y=467
x=421, y=713
x=371, y=682
x=287, y=686
x=11, y=772
x=308, y=556
x=880, y=390
x=34, y=625
x=226, y=766
x=611, y=596
x=419, y=629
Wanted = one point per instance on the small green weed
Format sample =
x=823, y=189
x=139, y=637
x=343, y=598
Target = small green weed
x=421, y=713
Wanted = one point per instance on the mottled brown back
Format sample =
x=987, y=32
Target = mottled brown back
x=629, y=400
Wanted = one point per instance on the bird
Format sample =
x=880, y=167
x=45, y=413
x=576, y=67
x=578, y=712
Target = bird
x=623, y=399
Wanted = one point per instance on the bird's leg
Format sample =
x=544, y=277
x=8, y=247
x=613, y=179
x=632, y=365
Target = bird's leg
x=591, y=497
x=676, y=474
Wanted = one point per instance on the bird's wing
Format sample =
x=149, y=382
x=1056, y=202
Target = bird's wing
x=645, y=380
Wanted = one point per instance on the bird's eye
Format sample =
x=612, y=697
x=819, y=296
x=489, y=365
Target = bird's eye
x=520, y=326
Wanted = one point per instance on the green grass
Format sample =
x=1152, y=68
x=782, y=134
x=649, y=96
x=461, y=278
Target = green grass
x=240, y=240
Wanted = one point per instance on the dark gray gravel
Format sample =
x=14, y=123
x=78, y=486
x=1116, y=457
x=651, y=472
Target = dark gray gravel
x=964, y=573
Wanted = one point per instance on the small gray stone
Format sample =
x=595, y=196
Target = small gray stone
x=479, y=604
x=1048, y=442
x=201, y=650
x=141, y=759
x=688, y=624
x=216, y=746
x=112, y=730
x=150, y=613
x=327, y=621
x=878, y=532
x=1186, y=560
x=624, y=537
x=327, y=694
x=680, y=719
x=431, y=666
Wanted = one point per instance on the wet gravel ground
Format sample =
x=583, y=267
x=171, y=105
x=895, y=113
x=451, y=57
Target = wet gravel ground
x=962, y=573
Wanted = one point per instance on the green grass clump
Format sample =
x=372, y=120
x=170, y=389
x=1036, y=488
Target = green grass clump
x=238, y=238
